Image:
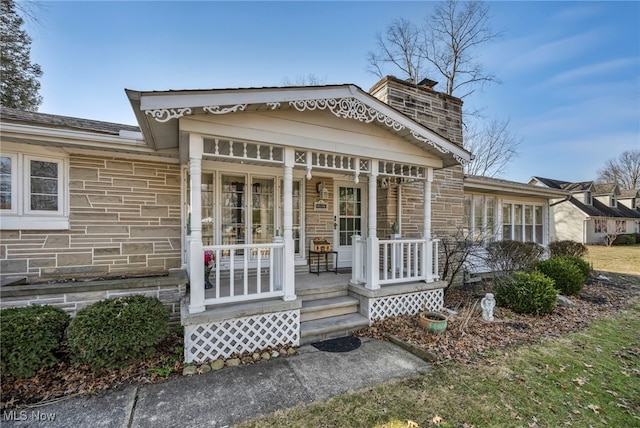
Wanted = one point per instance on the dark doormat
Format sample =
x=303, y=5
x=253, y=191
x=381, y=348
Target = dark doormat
x=341, y=344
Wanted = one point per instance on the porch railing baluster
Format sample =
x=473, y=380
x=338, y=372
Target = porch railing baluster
x=244, y=268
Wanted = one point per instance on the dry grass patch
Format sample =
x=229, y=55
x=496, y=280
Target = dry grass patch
x=589, y=378
x=618, y=258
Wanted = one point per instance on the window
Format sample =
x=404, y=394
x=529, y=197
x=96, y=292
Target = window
x=33, y=192
x=621, y=226
x=479, y=217
x=522, y=222
x=600, y=225
x=588, y=199
x=614, y=204
x=7, y=183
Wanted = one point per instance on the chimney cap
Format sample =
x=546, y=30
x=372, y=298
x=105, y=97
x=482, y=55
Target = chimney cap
x=428, y=83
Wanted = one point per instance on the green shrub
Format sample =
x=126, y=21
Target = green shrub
x=115, y=333
x=625, y=239
x=526, y=293
x=30, y=337
x=567, y=248
x=568, y=278
x=511, y=256
x=582, y=265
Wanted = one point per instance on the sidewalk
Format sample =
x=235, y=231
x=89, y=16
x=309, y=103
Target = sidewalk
x=232, y=395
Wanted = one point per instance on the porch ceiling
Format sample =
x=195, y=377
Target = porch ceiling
x=158, y=113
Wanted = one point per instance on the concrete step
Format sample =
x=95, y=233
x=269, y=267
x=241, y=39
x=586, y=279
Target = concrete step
x=330, y=328
x=324, y=291
x=325, y=308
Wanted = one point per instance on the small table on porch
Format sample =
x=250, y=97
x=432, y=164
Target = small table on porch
x=318, y=255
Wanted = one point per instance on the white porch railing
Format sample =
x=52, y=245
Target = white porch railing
x=245, y=272
x=401, y=260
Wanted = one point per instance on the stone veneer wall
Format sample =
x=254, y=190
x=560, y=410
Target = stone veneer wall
x=441, y=113
x=319, y=224
x=124, y=220
x=73, y=296
x=437, y=111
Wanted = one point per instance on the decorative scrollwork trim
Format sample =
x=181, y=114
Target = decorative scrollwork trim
x=274, y=105
x=428, y=141
x=224, y=110
x=166, y=114
x=347, y=108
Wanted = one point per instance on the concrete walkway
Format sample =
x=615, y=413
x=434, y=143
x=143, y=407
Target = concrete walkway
x=232, y=395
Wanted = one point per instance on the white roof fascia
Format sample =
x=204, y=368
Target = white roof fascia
x=471, y=184
x=180, y=99
x=72, y=137
x=234, y=97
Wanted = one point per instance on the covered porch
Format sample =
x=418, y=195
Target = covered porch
x=287, y=165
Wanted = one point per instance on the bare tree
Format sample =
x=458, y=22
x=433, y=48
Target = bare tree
x=623, y=170
x=400, y=46
x=308, y=80
x=451, y=37
x=447, y=42
x=493, y=145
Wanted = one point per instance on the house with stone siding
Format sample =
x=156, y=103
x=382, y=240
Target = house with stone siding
x=256, y=181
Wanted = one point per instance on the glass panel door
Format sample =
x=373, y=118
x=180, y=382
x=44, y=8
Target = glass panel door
x=233, y=209
x=349, y=218
x=262, y=210
x=208, y=209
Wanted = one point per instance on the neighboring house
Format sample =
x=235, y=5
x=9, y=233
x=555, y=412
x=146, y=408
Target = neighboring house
x=253, y=176
x=591, y=211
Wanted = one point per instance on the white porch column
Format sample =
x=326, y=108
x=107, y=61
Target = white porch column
x=289, y=245
x=196, y=254
x=373, y=248
x=427, y=262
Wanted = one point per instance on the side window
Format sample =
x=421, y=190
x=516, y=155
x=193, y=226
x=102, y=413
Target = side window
x=7, y=183
x=44, y=185
x=33, y=192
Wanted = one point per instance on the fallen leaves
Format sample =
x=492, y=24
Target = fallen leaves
x=469, y=339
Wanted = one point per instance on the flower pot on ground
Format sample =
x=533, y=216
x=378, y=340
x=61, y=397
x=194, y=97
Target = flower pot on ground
x=433, y=321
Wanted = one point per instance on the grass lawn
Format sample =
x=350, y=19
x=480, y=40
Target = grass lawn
x=584, y=379
x=619, y=258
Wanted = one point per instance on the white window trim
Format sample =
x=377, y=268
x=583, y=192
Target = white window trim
x=21, y=217
x=14, y=184
x=512, y=205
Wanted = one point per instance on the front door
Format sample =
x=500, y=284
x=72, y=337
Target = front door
x=349, y=218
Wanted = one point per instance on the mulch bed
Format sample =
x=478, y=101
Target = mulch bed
x=466, y=340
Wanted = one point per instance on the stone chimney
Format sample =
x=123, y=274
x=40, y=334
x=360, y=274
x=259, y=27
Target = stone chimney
x=439, y=112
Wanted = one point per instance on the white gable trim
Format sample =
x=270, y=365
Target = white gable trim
x=348, y=102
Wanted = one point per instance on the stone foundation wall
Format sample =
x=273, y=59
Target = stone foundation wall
x=124, y=219
x=73, y=296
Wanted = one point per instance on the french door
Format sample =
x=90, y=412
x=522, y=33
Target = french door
x=349, y=218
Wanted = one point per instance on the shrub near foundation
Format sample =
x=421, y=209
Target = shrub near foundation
x=30, y=338
x=526, y=293
x=568, y=277
x=567, y=248
x=115, y=333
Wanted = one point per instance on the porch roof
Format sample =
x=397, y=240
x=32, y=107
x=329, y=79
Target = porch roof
x=158, y=112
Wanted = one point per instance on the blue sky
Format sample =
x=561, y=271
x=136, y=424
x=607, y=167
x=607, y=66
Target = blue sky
x=570, y=71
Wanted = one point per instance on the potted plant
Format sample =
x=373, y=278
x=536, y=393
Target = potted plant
x=432, y=321
x=209, y=261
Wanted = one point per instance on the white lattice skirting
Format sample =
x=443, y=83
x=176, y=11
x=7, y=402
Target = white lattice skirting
x=405, y=304
x=210, y=341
